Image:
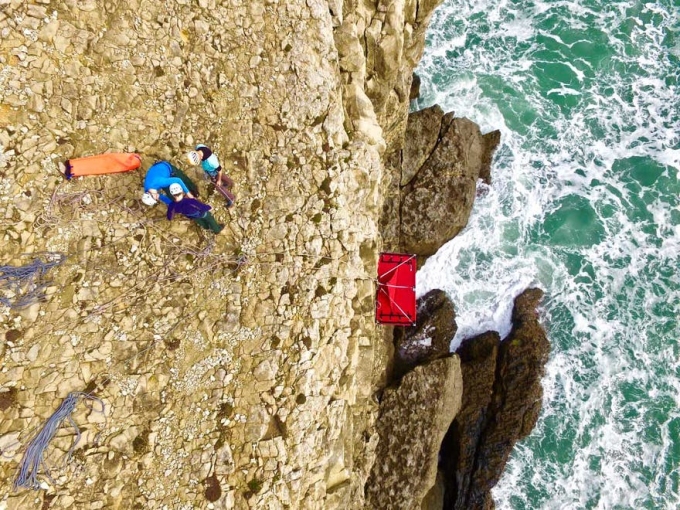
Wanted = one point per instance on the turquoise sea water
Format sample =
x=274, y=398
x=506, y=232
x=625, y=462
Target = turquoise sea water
x=585, y=203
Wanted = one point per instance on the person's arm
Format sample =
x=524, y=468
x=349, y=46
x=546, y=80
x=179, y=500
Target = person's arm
x=216, y=164
x=165, y=199
x=200, y=206
x=171, y=211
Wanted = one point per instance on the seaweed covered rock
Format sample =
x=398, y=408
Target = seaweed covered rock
x=494, y=417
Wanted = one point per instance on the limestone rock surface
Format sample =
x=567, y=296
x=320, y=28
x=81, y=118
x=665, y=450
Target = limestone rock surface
x=236, y=371
x=379, y=46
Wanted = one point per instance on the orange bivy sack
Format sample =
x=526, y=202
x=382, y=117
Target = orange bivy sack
x=103, y=164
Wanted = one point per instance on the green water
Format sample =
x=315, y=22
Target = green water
x=585, y=203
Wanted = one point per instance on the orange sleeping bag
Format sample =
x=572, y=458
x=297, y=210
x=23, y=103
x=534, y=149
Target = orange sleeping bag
x=103, y=164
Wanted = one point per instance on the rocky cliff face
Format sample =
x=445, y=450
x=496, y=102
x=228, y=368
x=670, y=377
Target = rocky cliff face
x=439, y=177
x=430, y=338
x=414, y=417
x=500, y=403
x=238, y=371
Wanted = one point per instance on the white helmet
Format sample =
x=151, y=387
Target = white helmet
x=194, y=157
x=176, y=189
x=148, y=199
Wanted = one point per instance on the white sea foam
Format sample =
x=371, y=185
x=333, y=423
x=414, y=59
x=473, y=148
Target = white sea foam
x=564, y=91
x=608, y=434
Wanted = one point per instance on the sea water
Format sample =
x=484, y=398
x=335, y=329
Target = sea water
x=585, y=204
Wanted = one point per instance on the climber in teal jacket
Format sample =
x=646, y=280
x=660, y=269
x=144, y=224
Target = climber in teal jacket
x=213, y=169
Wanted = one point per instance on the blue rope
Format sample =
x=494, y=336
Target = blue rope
x=33, y=458
x=27, y=282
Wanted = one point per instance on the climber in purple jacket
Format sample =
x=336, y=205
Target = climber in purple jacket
x=192, y=208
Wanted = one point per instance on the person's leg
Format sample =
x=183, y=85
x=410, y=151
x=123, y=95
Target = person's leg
x=201, y=223
x=227, y=182
x=228, y=195
x=176, y=172
x=208, y=222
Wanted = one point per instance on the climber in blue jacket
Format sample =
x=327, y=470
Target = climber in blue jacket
x=159, y=177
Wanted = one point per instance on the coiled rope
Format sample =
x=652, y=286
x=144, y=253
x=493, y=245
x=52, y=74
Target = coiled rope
x=27, y=283
x=34, y=456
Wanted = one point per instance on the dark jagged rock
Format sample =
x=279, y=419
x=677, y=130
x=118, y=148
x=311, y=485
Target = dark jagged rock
x=501, y=399
x=523, y=356
x=437, y=201
x=491, y=141
x=413, y=420
x=415, y=87
x=430, y=338
x=482, y=436
x=478, y=357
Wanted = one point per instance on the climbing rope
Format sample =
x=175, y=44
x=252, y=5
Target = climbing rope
x=26, y=283
x=34, y=456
